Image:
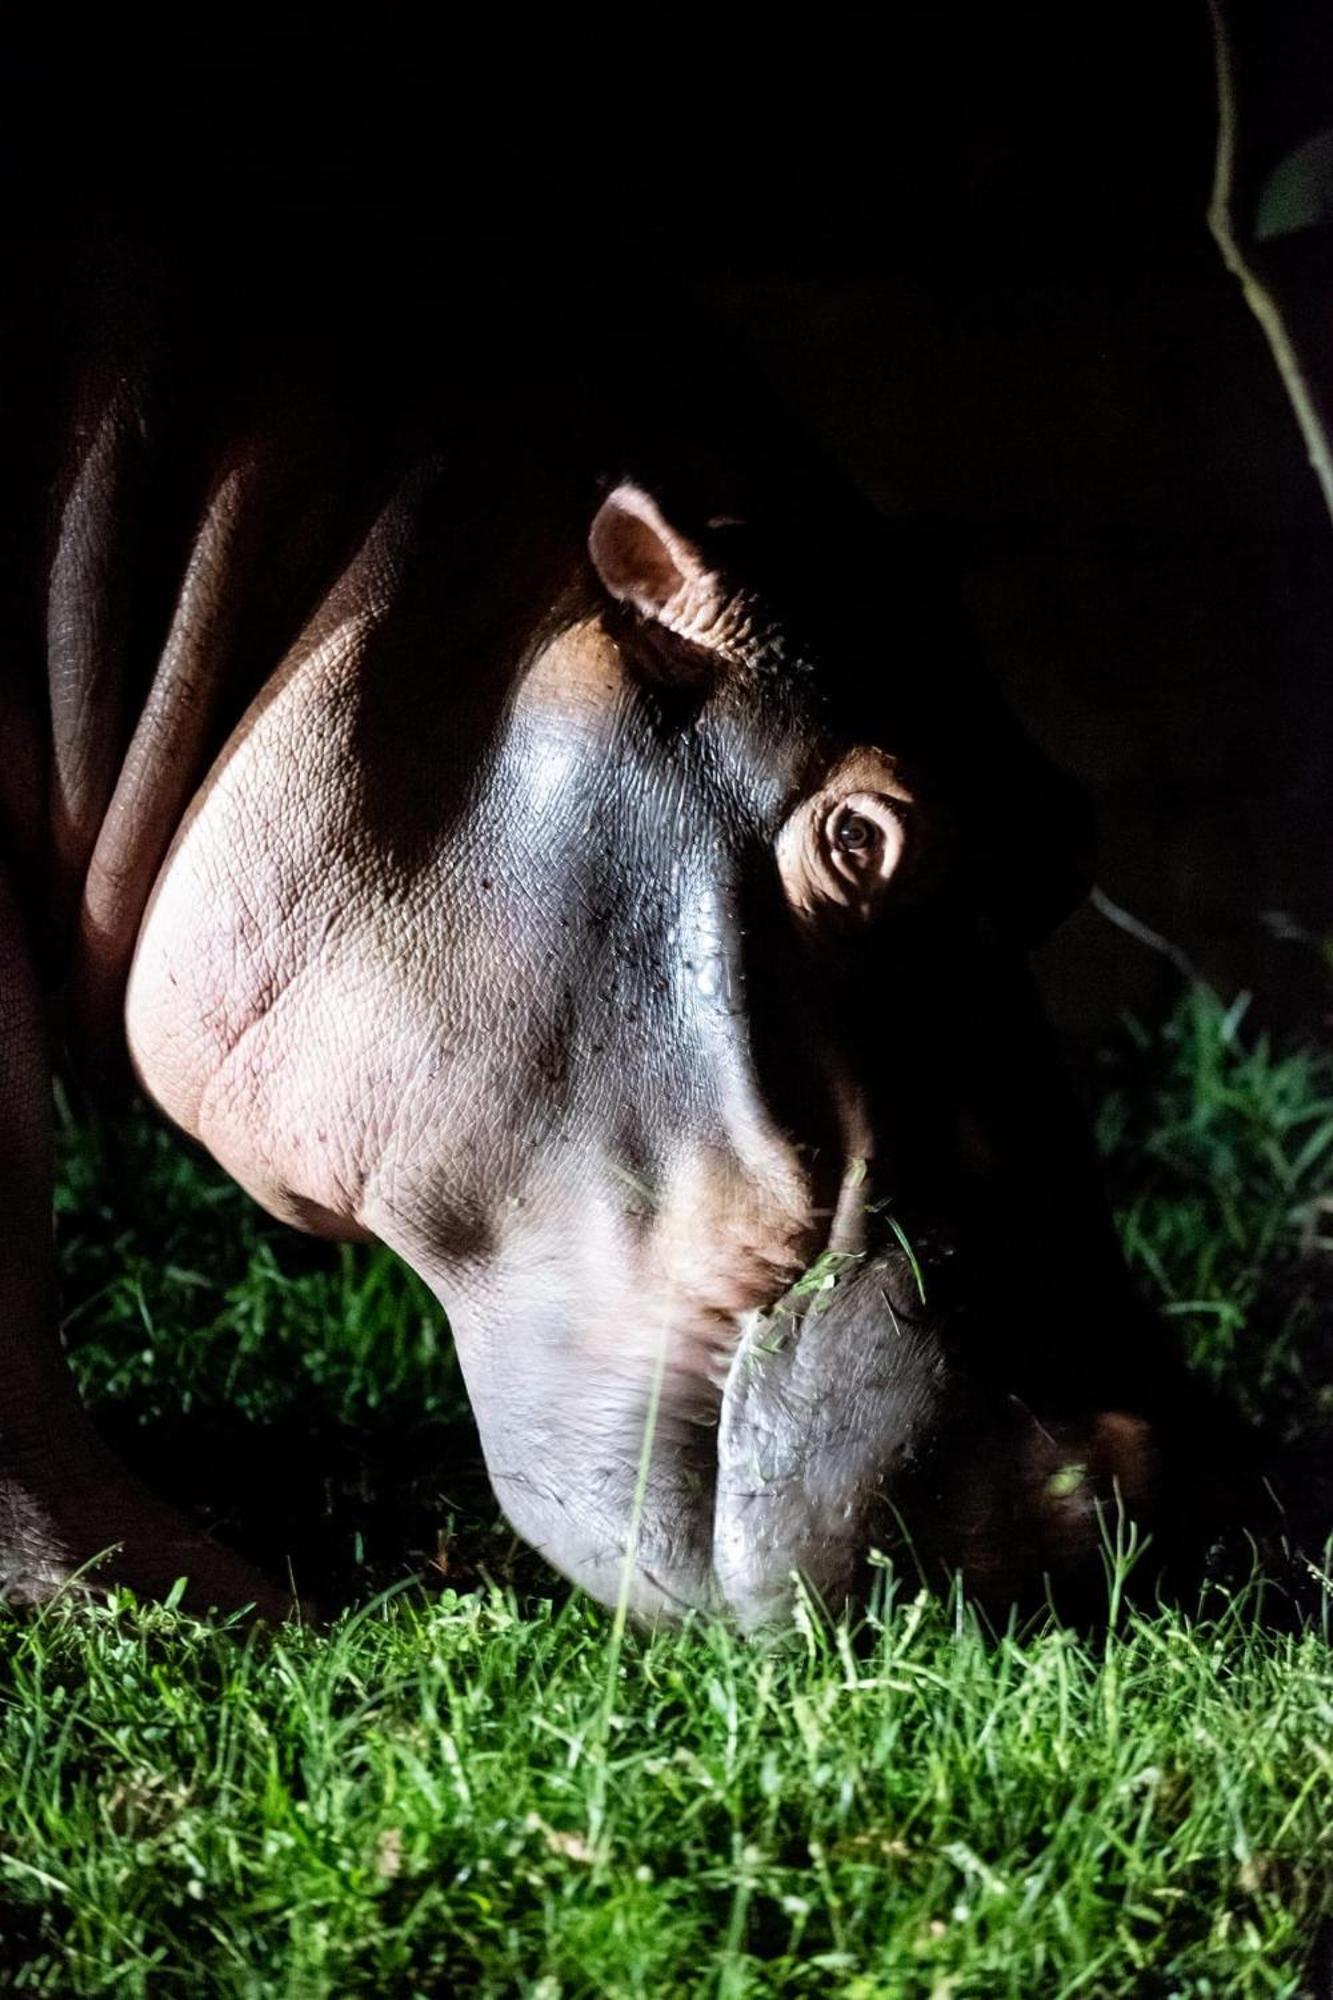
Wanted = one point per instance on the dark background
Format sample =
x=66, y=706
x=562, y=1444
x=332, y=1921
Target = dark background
x=970, y=255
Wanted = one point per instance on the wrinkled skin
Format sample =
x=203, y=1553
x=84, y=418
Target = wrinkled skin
x=607, y=897
x=612, y=1067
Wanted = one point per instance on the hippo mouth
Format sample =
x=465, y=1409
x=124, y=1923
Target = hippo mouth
x=960, y=1380
x=848, y=1420
x=822, y=1422
x=850, y=1425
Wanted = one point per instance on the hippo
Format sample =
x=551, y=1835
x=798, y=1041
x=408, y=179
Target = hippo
x=506, y=797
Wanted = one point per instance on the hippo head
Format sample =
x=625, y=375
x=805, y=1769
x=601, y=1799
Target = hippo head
x=638, y=950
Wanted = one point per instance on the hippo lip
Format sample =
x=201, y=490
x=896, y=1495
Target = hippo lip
x=711, y=1458
x=817, y=1417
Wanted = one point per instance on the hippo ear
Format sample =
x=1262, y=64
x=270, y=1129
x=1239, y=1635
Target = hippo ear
x=645, y=562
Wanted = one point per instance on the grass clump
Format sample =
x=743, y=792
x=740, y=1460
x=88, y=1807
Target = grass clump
x=1219, y=1154
x=437, y=1797
x=488, y=1790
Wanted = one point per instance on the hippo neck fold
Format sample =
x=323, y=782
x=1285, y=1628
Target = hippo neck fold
x=233, y=614
x=195, y=532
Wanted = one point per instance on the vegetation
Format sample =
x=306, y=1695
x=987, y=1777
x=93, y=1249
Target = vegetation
x=483, y=1787
x=1219, y=1152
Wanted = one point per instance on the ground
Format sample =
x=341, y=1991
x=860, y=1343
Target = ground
x=480, y=1785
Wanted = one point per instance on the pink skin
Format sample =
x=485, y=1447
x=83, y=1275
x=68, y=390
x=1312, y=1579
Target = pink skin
x=520, y=1047
x=609, y=895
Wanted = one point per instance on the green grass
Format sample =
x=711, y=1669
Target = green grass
x=1219, y=1151
x=481, y=1789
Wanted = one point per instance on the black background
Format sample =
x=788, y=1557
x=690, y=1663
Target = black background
x=969, y=252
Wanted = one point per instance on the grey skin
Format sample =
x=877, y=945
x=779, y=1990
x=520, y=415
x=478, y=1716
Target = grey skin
x=559, y=851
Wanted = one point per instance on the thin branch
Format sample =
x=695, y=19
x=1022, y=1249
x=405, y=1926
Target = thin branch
x=1257, y=296
x=1142, y=933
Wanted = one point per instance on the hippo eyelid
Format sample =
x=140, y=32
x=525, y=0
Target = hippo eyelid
x=841, y=848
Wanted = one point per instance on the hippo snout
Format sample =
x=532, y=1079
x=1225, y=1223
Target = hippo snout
x=858, y=1414
x=848, y=1425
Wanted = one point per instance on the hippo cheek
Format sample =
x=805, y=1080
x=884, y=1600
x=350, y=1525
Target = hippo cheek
x=604, y=1464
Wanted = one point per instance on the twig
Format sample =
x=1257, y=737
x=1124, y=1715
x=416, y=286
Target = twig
x=1142, y=934
x=1257, y=295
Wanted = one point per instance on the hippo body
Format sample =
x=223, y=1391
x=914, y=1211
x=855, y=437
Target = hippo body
x=512, y=802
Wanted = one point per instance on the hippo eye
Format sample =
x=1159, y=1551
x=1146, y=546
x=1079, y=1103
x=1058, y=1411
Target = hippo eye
x=863, y=840
x=855, y=834
x=840, y=849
